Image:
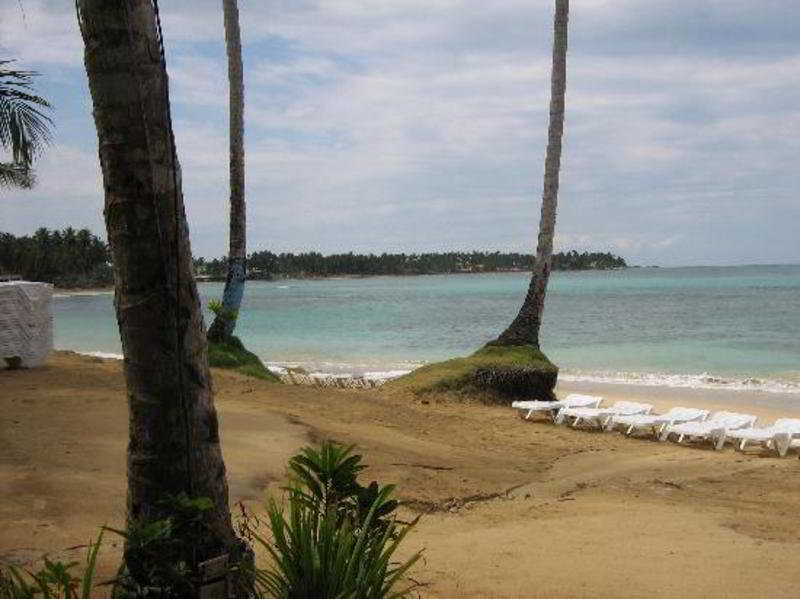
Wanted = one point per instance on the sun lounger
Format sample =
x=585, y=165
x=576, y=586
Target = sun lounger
x=657, y=422
x=783, y=442
x=602, y=416
x=573, y=400
x=714, y=429
x=778, y=436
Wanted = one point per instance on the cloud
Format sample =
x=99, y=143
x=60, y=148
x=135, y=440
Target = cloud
x=411, y=125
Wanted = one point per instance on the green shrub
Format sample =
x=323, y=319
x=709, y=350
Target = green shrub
x=55, y=580
x=338, y=538
x=160, y=552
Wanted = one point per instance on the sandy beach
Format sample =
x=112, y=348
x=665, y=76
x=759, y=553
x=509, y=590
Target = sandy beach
x=512, y=508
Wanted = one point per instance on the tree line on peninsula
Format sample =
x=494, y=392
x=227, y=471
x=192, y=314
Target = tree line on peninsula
x=72, y=258
x=266, y=264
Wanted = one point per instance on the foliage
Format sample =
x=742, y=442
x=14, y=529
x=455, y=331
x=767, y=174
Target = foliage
x=328, y=482
x=219, y=309
x=160, y=552
x=339, y=537
x=24, y=128
x=67, y=258
x=267, y=265
x=493, y=374
x=55, y=580
x=231, y=353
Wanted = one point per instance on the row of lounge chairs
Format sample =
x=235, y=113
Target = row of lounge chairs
x=682, y=423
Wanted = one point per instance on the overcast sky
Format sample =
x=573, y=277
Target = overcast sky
x=420, y=125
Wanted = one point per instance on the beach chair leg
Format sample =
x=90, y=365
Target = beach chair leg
x=782, y=443
x=680, y=438
x=720, y=441
x=742, y=444
x=630, y=430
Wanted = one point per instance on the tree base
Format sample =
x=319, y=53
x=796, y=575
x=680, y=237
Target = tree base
x=494, y=375
x=230, y=353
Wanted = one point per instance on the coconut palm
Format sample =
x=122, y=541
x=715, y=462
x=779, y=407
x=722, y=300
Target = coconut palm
x=225, y=318
x=174, y=441
x=24, y=128
x=524, y=330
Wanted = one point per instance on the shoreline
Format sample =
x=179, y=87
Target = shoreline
x=761, y=402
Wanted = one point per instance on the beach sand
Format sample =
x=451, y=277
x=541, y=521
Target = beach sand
x=512, y=508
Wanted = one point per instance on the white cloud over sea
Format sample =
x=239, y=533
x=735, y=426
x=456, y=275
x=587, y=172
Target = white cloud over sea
x=411, y=125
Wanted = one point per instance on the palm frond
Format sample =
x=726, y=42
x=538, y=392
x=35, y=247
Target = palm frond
x=24, y=128
x=16, y=175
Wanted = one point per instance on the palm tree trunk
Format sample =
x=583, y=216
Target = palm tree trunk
x=524, y=330
x=174, y=444
x=225, y=322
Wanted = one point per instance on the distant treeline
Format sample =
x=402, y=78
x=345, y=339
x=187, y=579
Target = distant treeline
x=267, y=265
x=71, y=258
x=67, y=258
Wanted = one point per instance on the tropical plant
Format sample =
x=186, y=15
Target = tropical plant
x=55, y=580
x=339, y=538
x=327, y=482
x=159, y=553
x=24, y=127
x=224, y=325
x=524, y=330
x=174, y=441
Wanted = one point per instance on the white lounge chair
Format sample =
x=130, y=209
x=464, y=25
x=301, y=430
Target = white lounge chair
x=657, y=422
x=573, y=400
x=714, y=429
x=778, y=436
x=784, y=442
x=602, y=416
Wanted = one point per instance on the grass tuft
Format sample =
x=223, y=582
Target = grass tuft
x=493, y=374
x=231, y=354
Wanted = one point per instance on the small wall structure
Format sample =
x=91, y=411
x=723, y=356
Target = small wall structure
x=26, y=322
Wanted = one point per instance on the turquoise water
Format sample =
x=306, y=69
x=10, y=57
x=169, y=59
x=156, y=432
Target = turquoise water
x=736, y=327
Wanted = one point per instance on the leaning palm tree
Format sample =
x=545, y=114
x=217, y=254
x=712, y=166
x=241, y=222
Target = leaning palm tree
x=226, y=315
x=174, y=441
x=24, y=128
x=524, y=329
x=512, y=365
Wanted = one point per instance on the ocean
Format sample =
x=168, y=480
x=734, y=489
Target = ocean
x=734, y=328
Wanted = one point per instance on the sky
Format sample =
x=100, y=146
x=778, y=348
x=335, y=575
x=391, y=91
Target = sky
x=421, y=125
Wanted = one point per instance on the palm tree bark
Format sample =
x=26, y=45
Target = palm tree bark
x=174, y=444
x=225, y=321
x=524, y=330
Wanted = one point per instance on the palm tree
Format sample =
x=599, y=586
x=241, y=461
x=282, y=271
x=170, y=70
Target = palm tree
x=524, y=330
x=24, y=128
x=225, y=319
x=174, y=441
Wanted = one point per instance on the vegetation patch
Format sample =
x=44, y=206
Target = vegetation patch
x=493, y=374
x=230, y=353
